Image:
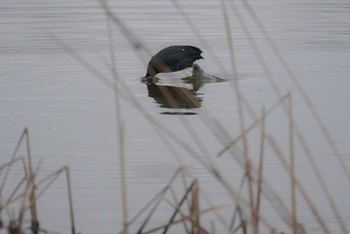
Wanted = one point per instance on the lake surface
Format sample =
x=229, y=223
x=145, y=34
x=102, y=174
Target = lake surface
x=72, y=120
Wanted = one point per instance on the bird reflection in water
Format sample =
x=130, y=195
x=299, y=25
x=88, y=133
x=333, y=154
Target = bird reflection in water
x=173, y=59
x=174, y=97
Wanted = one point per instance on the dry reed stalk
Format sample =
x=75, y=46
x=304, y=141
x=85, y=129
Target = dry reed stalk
x=9, y=163
x=182, y=214
x=294, y=220
x=260, y=170
x=240, y=108
x=50, y=178
x=120, y=126
x=10, y=199
x=195, y=208
x=178, y=207
x=15, y=199
x=162, y=198
x=233, y=219
x=243, y=224
x=31, y=177
x=14, y=154
x=302, y=191
x=143, y=225
x=70, y=199
x=210, y=203
x=25, y=195
x=238, y=207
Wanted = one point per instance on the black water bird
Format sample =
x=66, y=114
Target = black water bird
x=173, y=58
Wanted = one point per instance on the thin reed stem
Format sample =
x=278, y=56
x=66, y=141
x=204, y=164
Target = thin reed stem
x=260, y=170
x=302, y=191
x=70, y=199
x=195, y=208
x=240, y=109
x=7, y=165
x=120, y=126
x=182, y=214
x=292, y=165
x=14, y=154
x=32, y=198
x=178, y=207
x=23, y=202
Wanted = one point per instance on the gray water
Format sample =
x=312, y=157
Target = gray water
x=71, y=114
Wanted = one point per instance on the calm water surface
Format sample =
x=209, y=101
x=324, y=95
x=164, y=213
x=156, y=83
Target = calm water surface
x=71, y=114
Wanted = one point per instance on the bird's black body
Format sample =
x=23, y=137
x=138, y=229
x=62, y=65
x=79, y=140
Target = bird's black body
x=173, y=58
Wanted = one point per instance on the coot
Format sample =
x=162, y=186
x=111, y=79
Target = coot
x=173, y=58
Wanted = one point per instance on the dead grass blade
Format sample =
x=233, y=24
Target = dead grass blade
x=302, y=191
